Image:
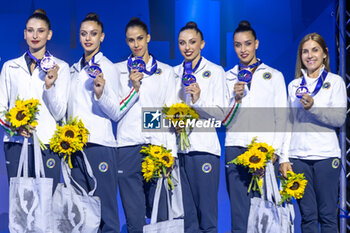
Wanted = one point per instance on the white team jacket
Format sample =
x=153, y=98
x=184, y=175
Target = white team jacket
x=16, y=81
x=156, y=91
x=84, y=105
x=211, y=80
x=312, y=133
x=262, y=113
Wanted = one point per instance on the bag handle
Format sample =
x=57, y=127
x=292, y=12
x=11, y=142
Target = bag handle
x=272, y=192
x=67, y=176
x=23, y=160
x=156, y=201
x=38, y=158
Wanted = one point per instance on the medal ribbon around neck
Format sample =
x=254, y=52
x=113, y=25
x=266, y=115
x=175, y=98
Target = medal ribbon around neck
x=304, y=90
x=46, y=63
x=188, y=78
x=139, y=64
x=94, y=69
x=244, y=73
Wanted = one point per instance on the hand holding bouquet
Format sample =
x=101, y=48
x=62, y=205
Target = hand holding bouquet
x=292, y=186
x=157, y=162
x=180, y=115
x=22, y=118
x=255, y=158
x=72, y=136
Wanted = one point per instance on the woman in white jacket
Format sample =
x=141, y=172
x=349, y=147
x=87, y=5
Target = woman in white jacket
x=154, y=86
x=93, y=99
x=25, y=78
x=200, y=162
x=258, y=99
x=317, y=100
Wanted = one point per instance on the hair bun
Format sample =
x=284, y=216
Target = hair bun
x=135, y=19
x=244, y=23
x=191, y=24
x=92, y=16
x=40, y=11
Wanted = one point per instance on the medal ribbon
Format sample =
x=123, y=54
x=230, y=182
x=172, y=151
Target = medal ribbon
x=319, y=84
x=188, y=67
x=47, y=54
x=153, y=67
x=92, y=59
x=241, y=66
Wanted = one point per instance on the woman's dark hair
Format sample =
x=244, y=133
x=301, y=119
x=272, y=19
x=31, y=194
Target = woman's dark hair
x=244, y=26
x=40, y=14
x=191, y=25
x=92, y=17
x=136, y=22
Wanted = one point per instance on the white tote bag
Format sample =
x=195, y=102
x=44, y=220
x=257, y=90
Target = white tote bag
x=265, y=215
x=75, y=210
x=30, y=197
x=170, y=226
x=176, y=197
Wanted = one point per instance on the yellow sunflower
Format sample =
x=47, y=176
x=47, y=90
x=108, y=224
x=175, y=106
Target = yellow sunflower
x=70, y=131
x=148, y=168
x=296, y=184
x=166, y=159
x=178, y=112
x=264, y=147
x=83, y=132
x=255, y=159
x=34, y=123
x=155, y=151
x=193, y=114
x=31, y=103
x=65, y=145
x=174, y=115
x=19, y=103
x=18, y=116
x=243, y=159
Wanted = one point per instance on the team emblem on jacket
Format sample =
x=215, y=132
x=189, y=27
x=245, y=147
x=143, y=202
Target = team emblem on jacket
x=206, y=74
x=335, y=163
x=326, y=85
x=50, y=163
x=267, y=75
x=103, y=167
x=158, y=71
x=206, y=167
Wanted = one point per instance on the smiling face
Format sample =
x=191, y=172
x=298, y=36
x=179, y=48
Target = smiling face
x=91, y=36
x=245, y=46
x=37, y=34
x=137, y=40
x=190, y=45
x=312, y=57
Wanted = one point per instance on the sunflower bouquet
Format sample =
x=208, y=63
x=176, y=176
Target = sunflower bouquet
x=23, y=114
x=255, y=158
x=180, y=114
x=158, y=161
x=292, y=186
x=72, y=136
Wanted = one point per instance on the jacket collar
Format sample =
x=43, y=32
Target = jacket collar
x=21, y=62
x=304, y=71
